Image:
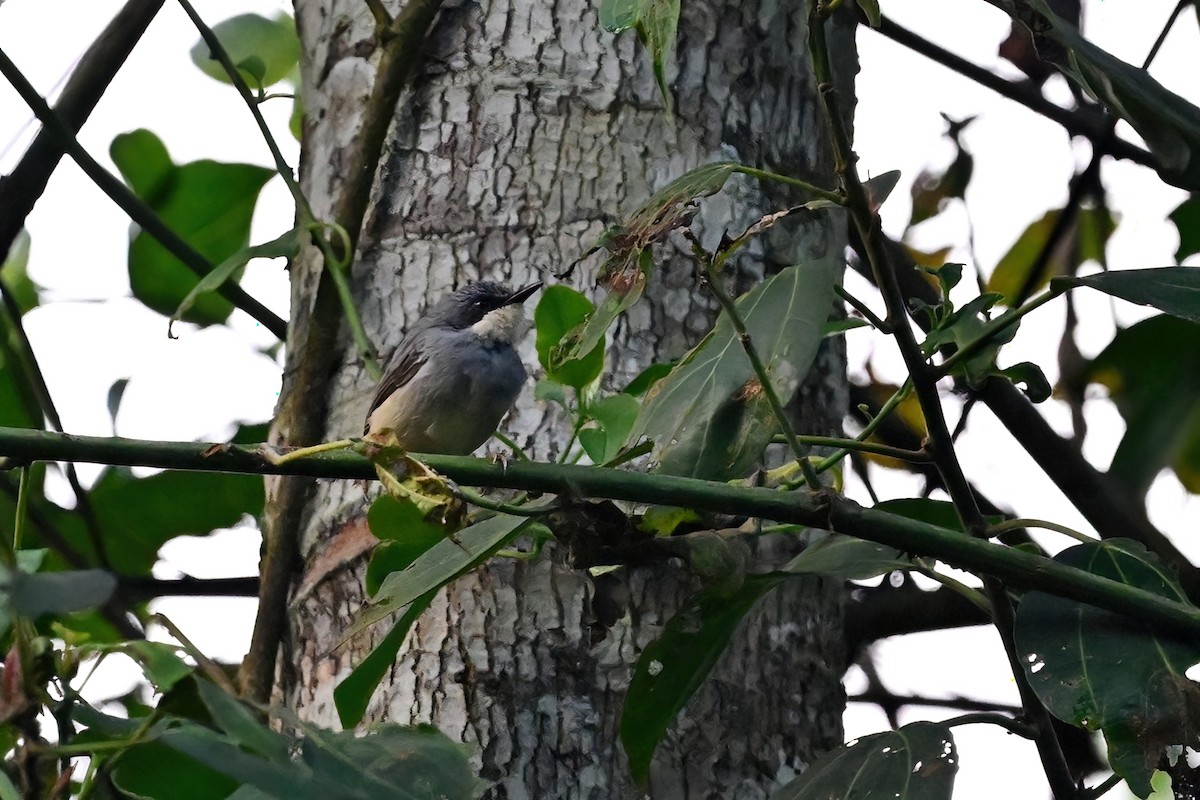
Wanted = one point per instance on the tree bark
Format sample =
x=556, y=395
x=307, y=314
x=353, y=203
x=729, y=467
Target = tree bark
x=527, y=132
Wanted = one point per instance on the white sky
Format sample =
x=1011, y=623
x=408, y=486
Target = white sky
x=88, y=333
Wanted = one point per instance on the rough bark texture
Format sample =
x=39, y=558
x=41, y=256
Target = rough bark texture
x=529, y=131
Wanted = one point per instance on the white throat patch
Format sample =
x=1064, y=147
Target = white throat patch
x=505, y=324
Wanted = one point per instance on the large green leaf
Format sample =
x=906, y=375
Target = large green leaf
x=208, y=203
x=1102, y=671
x=1175, y=290
x=138, y=515
x=673, y=667
x=403, y=533
x=439, y=565
x=155, y=771
x=915, y=762
x=614, y=416
x=1152, y=370
x=1169, y=124
x=708, y=418
x=264, y=49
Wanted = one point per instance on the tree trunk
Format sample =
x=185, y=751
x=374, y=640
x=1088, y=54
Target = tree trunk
x=528, y=130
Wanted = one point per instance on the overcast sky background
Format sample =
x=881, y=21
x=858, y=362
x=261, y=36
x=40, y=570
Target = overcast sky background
x=88, y=332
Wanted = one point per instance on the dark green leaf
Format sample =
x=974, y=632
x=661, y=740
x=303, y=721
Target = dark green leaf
x=353, y=694
x=242, y=725
x=707, y=418
x=160, y=662
x=839, y=326
x=1175, y=290
x=965, y=326
x=439, y=565
x=158, y=772
x=615, y=415
x=1102, y=671
x=113, y=400
x=1169, y=124
x=915, y=762
x=403, y=533
x=283, y=247
x=1037, y=388
x=848, y=558
x=1152, y=370
x=935, y=512
x=266, y=49
x=209, y=204
x=673, y=667
x=1187, y=221
x=647, y=378
x=931, y=192
x=35, y=594
x=560, y=310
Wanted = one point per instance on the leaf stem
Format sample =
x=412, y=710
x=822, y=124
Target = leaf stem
x=1025, y=522
x=916, y=456
x=1010, y=724
x=824, y=194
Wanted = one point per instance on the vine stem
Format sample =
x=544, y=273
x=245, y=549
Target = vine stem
x=1017, y=524
x=825, y=511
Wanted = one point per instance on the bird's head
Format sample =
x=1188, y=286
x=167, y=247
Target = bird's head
x=491, y=310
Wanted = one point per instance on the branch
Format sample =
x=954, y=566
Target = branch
x=1092, y=128
x=131, y=204
x=825, y=511
x=20, y=189
x=139, y=590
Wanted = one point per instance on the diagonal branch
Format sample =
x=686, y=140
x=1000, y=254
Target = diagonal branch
x=131, y=204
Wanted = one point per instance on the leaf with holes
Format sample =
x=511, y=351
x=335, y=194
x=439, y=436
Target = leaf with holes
x=673, y=667
x=1102, y=671
x=915, y=762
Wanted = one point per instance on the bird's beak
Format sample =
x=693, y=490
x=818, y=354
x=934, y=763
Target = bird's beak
x=521, y=295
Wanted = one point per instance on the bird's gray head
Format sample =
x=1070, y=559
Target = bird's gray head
x=491, y=310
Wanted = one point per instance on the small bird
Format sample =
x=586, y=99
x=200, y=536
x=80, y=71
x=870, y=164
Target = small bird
x=455, y=373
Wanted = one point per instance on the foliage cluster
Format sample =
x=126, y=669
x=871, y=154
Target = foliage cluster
x=75, y=580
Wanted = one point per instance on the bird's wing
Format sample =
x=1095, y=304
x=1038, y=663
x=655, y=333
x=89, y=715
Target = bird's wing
x=402, y=366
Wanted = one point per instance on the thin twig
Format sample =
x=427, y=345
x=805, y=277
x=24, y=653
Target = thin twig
x=864, y=309
x=1012, y=725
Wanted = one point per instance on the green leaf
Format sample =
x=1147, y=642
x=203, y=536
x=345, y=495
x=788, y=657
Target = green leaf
x=404, y=534
x=7, y=790
x=651, y=375
x=156, y=771
x=1102, y=671
x=35, y=594
x=15, y=273
x=242, y=725
x=1152, y=371
x=656, y=22
x=1084, y=242
x=1037, y=388
x=965, y=326
x=915, y=762
x=615, y=415
x=207, y=203
x=848, y=558
x=559, y=310
x=1175, y=290
x=439, y=565
x=1186, y=217
x=708, y=418
x=285, y=246
x=663, y=520
x=674, y=666
x=837, y=327
x=267, y=49
x=353, y=694
x=1169, y=124
x=160, y=662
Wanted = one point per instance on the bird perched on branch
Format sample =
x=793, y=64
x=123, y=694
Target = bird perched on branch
x=455, y=374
